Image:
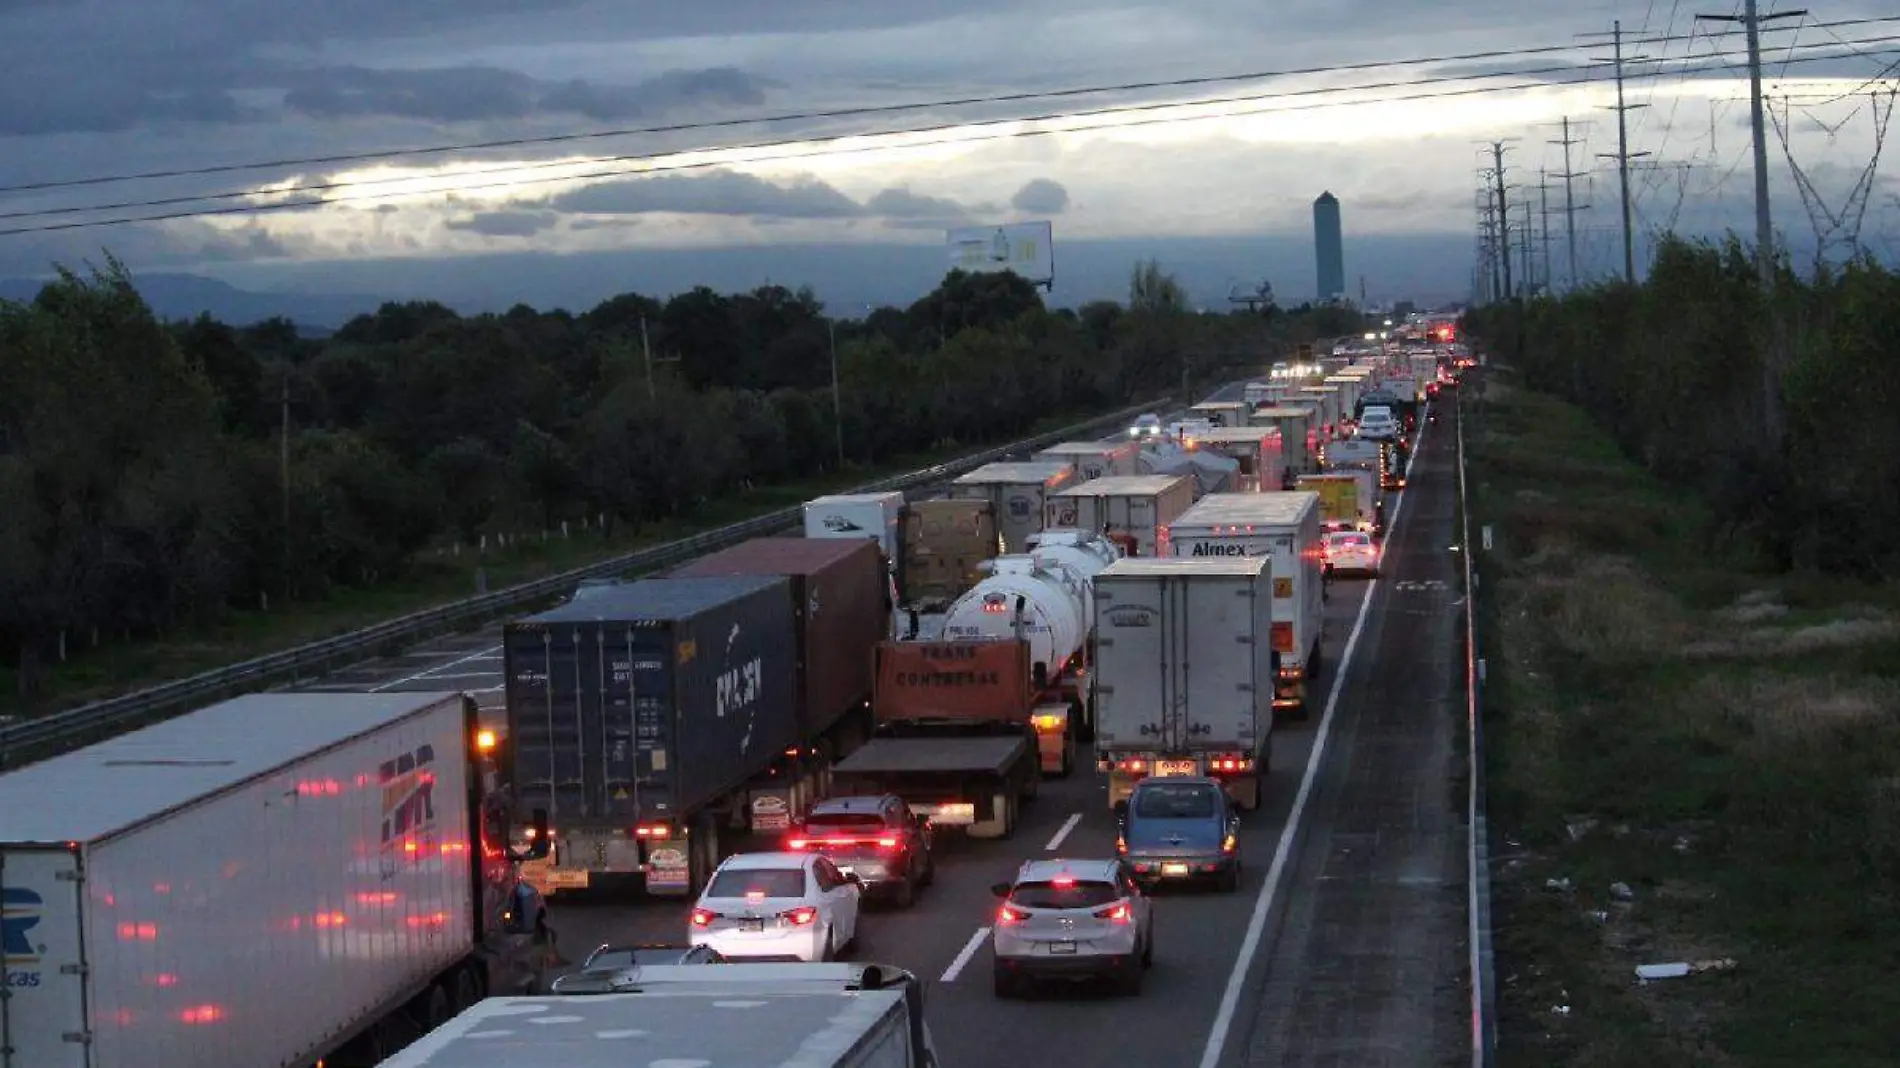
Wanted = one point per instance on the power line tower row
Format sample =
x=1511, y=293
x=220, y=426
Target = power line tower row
x=1571, y=207
x=1623, y=155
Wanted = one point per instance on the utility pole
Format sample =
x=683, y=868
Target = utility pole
x=1493, y=286
x=1571, y=207
x=1751, y=20
x=837, y=398
x=1543, y=212
x=1504, y=218
x=1623, y=155
x=1526, y=236
x=283, y=471
x=646, y=354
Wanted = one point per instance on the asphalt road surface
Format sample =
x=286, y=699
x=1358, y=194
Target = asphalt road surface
x=1344, y=945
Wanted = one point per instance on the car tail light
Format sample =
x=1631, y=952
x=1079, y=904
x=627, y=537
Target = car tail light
x=1010, y=916
x=1117, y=914
x=704, y=917
x=797, y=843
x=802, y=916
x=888, y=843
x=1229, y=844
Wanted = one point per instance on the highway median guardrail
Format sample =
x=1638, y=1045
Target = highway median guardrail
x=35, y=738
x=1478, y=844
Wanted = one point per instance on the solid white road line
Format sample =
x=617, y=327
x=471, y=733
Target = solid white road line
x=1263, y=905
x=1067, y=826
x=431, y=673
x=969, y=950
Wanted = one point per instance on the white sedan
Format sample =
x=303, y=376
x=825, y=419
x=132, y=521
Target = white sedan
x=777, y=906
x=1351, y=550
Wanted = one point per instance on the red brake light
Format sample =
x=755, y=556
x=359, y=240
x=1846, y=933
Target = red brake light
x=704, y=917
x=1009, y=916
x=1062, y=882
x=800, y=917
x=1116, y=913
x=887, y=843
x=798, y=843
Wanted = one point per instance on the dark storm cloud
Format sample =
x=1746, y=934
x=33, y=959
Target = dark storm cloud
x=1041, y=196
x=506, y=223
x=710, y=193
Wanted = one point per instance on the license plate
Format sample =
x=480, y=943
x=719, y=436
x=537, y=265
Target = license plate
x=1174, y=869
x=1062, y=947
x=751, y=925
x=1174, y=767
x=565, y=880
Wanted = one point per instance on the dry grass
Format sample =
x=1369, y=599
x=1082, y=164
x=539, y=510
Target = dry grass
x=1688, y=761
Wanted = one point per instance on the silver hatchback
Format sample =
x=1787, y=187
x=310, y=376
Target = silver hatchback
x=1072, y=920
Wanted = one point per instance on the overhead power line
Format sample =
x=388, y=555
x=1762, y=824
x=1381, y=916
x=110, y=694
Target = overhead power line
x=845, y=113
x=778, y=155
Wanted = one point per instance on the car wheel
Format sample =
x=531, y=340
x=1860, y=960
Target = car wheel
x=1230, y=879
x=906, y=893
x=1148, y=948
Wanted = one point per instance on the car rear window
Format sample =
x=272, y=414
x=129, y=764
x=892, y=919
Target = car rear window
x=1174, y=802
x=1080, y=894
x=767, y=882
x=856, y=822
x=1359, y=540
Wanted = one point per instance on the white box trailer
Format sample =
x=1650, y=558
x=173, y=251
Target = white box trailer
x=878, y=516
x=1284, y=526
x=1221, y=413
x=1295, y=427
x=1094, y=459
x=1327, y=398
x=691, y=1015
x=1020, y=492
x=1133, y=507
x=1184, y=672
x=1350, y=386
x=1255, y=448
x=252, y=884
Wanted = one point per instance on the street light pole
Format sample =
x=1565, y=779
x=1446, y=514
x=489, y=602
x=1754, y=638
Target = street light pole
x=837, y=398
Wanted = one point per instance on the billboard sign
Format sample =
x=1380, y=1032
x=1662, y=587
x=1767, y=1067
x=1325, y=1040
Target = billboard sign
x=1028, y=249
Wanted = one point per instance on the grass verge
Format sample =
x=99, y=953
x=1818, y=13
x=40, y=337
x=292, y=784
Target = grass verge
x=115, y=668
x=1690, y=760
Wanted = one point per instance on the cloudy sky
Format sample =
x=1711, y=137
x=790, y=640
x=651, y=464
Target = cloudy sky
x=746, y=141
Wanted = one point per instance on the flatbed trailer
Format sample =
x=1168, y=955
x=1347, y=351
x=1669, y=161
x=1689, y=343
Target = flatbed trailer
x=973, y=781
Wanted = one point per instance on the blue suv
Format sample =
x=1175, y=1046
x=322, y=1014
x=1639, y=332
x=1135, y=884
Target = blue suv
x=1176, y=830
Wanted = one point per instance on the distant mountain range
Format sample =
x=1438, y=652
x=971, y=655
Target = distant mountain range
x=186, y=296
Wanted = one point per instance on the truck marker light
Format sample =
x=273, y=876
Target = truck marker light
x=484, y=740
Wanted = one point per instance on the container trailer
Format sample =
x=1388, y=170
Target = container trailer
x=282, y=879
x=643, y=719
x=1094, y=459
x=945, y=544
x=1019, y=491
x=1131, y=510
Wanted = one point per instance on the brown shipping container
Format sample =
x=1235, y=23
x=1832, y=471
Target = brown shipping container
x=944, y=542
x=839, y=602
x=968, y=681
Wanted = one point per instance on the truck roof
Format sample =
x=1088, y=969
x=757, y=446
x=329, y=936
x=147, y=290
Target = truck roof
x=777, y=556
x=1274, y=507
x=1236, y=434
x=743, y=1027
x=1162, y=566
x=1124, y=486
x=658, y=600
x=1281, y=412
x=931, y=754
x=1015, y=473
x=112, y=786
x=1091, y=448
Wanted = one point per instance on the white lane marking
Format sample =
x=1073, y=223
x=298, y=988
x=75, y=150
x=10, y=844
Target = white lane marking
x=430, y=673
x=969, y=950
x=1067, y=826
x=1263, y=905
x=464, y=675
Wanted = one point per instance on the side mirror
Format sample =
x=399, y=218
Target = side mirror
x=1001, y=889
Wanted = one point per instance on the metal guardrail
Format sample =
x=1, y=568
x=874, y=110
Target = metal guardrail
x=31, y=738
x=1478, y=846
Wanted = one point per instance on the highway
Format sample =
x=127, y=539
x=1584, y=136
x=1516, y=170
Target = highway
x=1344, y=945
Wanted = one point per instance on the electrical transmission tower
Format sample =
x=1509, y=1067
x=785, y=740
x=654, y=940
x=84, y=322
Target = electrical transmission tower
x=1751, y=19
x=1623, y=155
x=1490, y=282
x=1504, y=217
x=1837, y=227
x=1571, y=207
x=1543, y=236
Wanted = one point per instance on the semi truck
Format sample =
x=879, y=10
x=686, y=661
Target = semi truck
x=945, y=544
x=641, y=720
x=286, y=879
x=841, y=610
x=1131, y=510
x=1094, y=459
x=1255, y=449
x=971, y=717
x=1185, y=672
x=1020, y=493
x=1284, y=526
x=685, y=1016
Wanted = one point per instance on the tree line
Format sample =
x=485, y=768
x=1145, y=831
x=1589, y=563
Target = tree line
x=1779, y=410
x=155, y=474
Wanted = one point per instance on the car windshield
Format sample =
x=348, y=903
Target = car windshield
x=760, y=882
x=1175, y=802
x=1351, y=540
x=1065, y=894
x=643, y=955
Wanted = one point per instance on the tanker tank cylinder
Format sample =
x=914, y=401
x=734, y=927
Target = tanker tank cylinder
x=1042, y=603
